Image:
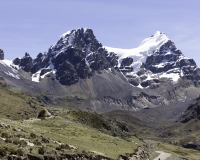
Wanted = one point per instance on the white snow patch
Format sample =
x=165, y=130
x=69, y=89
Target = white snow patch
x=169, y=53
x=85, y=29
x=173, y=76
x=36, y=76
x=6, y=62
x=46, y=74
x=64, y=35
x=12, y=75
x=182, y=74
x=10, y=64
x=139, y=86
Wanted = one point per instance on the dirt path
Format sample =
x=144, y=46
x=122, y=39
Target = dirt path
x=162, y=155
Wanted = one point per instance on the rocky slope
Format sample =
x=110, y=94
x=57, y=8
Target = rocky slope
x=192, y=112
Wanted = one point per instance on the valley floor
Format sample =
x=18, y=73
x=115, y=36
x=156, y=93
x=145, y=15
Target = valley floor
x=75, y=133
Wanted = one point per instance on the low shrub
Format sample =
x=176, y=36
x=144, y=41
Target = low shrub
x=41, y=150
x=4, y=135
x=3, y=151
x=20, y=152
x=33, y=135
x=45, y=140
x=8, y=140
x=22, y=143
x=37, y=142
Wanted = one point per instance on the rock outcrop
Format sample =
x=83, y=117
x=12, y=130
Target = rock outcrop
x=192, y=112
x=140, y=154
x=192, y=145
x=26, y=62
x=1, y=54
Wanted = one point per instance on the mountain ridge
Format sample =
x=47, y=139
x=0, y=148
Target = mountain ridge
x=157, y=75
x=156, y=57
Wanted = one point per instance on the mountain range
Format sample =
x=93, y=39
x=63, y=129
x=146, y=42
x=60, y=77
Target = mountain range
x=154, y=74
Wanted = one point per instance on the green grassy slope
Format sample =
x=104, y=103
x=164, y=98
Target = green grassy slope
x=17, y=105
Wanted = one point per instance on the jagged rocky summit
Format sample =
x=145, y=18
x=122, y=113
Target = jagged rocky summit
x=78, y=55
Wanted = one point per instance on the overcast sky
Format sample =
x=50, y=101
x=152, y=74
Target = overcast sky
x=33, y=26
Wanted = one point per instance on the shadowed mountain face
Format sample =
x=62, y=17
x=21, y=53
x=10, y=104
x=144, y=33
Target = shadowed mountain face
x=154, y=74
x=192, y=112
x=76, y=55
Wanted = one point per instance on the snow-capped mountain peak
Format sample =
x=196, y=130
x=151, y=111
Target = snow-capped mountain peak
x=158, y=33
x=155, y=40
x=156, y=57
x=139, y=54
x=73, y=32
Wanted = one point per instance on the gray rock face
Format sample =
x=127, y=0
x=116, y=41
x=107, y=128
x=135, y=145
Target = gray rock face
x=172, y=61
x=26, y=63
x=41, y=61
x=1, y=54
x=16, y=61
x=67, y=74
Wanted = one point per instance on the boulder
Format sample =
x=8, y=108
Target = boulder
x=44, y=113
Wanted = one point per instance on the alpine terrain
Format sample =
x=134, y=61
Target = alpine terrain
x=130, y=98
